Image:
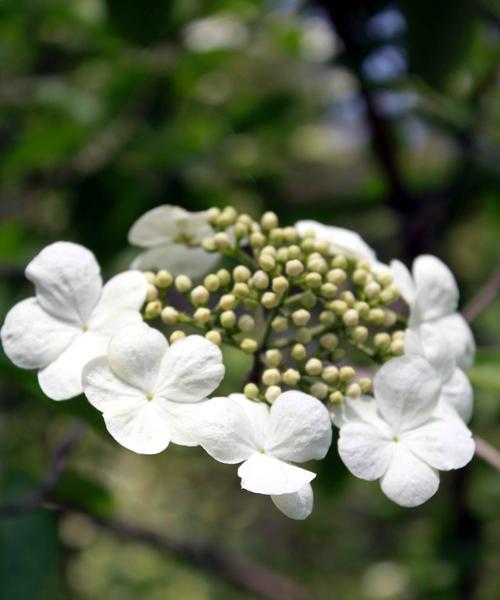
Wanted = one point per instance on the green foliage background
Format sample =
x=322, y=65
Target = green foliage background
x=111, y=107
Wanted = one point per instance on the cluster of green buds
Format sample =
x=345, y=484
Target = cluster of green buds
x=305, y=313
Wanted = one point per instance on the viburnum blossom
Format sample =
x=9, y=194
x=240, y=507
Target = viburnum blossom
x=402, y=439
x=342, y=241
x=71, y=318
x=150, y=392
x=172, y=237
x=266, y=440
x=432, y=295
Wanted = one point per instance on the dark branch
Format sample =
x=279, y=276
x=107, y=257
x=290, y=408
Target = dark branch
x=484, y=297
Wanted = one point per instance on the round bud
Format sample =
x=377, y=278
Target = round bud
x=271, y=377
x=294, y=268
x=353, y=390
x=221, y=241
x=266, y=262
x=308, y=299
x=359, y=276
x=224, y=277
x=384, y=277
x=317, y=265
x=277, y=236
x=372, y=290
x=301, y=317
x=382, y=341
x=360, y=334
x=362, y=263
x=376, y=316
x=347, y=374
x=200, y=295
x=348, y=298
x=279, y=324
x=363, y=309
x=273, y=393
x=339, y=307
x=227, y=302
x=240, y=230
x=329, y=290
x=245, y=219
x=208, y=244
x=249, y=345
x=339, y=262
x=211, y=282
x=336, y=397
x=227, y=319
x=229, y=215
x=388, y=295
x=183, y=284
x=291, y=377
x=260, y=280
x=214, y=337
x=269, y=221
x=176, y=335
x=313, y=280
x=330, y=374
x=294, y=252
x=291, y=234
x=163, y=279
x=336, y=276
x=303, y=335
x=398, y=335
x=366, y=384
x=327, y=317
x=150, y=277
x=151, y=293
x=319, y=390
x=390, y=318
x=257, y=240
x=329, y=341
x=314, y=367
x=271, y=250
x=269, y=300
x=169, y=315
x=251, y=391
x=273, y=357
x=240, y=290
x=282, y=255
x=307, y=245
x=246, y=323
x=397, y=347
x=298, y=352
x=241, y=274
x=153, y=309
x=202, y=315
x=280, y=285
x=213, y=214
x=322, y=246
x=351, y=317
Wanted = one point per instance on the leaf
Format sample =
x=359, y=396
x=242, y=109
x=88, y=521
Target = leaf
x=79, y=491
x=485, y=374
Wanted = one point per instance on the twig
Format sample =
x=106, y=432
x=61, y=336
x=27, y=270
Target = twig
x=483, y=298
x=487, y=452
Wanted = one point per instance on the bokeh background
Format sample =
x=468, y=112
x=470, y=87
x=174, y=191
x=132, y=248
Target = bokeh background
x=375, y=115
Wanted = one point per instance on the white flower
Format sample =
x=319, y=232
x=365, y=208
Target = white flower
x=406, y=440
x=71, y=318
x=432, y=295
x=171, y=236
x=456, y=394
x=296, y=429
x=342, y=241
x=149, y=392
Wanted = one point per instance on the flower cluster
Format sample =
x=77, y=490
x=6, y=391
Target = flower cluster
x=337, y=338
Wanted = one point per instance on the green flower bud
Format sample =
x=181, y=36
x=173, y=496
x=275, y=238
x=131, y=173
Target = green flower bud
x=183, y=284
x=163, y=279
x=169, y=315
x=314, y=367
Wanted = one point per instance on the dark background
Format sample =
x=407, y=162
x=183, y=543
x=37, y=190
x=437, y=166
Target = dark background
x=379, y=116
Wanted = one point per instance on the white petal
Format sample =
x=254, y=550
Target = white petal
x=407, y=391
x=178, y=259
x=365, y=449
x=437, y=291
x=183, y=421
x=300, y=428
x=457, y=392
x=459, y=335
x=442, y=443
x=298, y=505
x=67, y=281
x=107, y=392
x=62, y=379
x=190, y=370
x=409, y=481
x=258, y=414
x=403, y=280
x=264, y=474
x=157, y=226
x=428, y=341
x=142, y=429
x=362, y=408
x=135, y=354
x=126, y=291
x=226, y=432
x=32, y=338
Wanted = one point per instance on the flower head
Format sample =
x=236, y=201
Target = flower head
x=406, y=440
x=266, y=440
x=172, y=238
x=432, y=295
x=149, y=392
x=71, y=318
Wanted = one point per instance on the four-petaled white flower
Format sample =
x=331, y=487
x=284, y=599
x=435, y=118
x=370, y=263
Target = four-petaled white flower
x=456, y=393
x=342, y=241
x=172, y=237
x=432, y=295
x=150, y=392
x=295, y=429
x=403, y=439
x=71, y=318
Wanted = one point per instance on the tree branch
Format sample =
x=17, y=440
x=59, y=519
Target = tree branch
x=483, y=298
x=487, y=452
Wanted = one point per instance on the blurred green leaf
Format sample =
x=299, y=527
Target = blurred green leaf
x=77, y=490
x=485, y=373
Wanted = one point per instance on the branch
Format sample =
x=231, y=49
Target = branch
x=487, y=452
x=483, y=298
